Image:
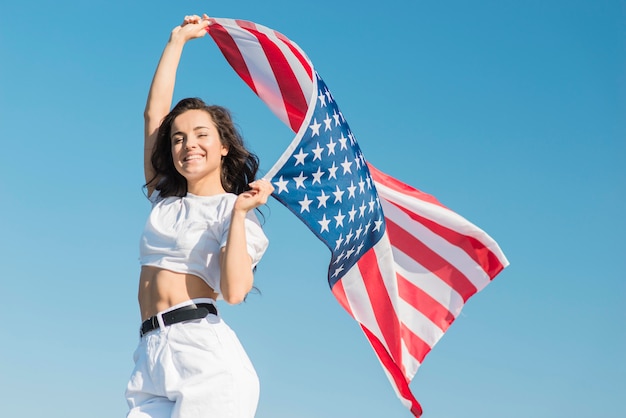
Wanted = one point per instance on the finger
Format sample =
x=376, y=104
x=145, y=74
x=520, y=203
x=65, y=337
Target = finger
x=262, y=183
x=267, y=186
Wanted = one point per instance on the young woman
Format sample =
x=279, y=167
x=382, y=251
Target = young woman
x=200, y=243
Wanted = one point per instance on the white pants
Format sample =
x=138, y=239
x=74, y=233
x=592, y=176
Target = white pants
x=192, y=369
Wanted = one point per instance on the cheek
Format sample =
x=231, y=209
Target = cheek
x=175, y=149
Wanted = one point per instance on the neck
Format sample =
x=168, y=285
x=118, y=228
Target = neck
x=205, y=188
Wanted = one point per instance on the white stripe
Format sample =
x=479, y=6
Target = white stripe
x=428, y=282
x=306, y=83
x=448, y=251
x=282, y=160
x=442, y=216
x=410, y=363
x=387, y=268
x=259, y=67
x=359, y=302
x=420, y=324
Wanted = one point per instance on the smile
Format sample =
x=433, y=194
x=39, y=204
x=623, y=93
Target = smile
x=192, y=157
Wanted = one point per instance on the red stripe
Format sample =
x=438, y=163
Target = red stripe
x=474, y=248
x=416, y=346
x=424, y=303
x=293, y=97
x=398, y=186
x=305, y=63
x=340, y=294
x=432, y=261
x=380, y=301
x=481, y=254
x=231, y=52
x=400, y=381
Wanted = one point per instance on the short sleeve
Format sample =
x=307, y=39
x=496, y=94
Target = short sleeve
x=256, y=240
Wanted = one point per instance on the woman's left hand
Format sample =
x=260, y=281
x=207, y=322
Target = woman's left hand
x=260, y=190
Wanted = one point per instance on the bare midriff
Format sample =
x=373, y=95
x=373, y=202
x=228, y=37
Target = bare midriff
x=160, y=289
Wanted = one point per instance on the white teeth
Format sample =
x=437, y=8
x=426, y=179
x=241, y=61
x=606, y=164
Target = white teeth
x=193, y=157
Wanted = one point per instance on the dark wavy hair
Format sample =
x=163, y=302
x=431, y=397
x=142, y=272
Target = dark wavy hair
x=239, y=166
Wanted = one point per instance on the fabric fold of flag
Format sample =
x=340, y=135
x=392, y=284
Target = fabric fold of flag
x=402, y=264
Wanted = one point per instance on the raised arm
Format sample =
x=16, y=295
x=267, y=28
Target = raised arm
x=162, y=88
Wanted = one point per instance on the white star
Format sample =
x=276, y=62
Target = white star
x=343, y=141
x=338, y=242
x=339, y=270
x=339, y=219
x=367, y=226
x=378, y=225
x=315, y=127
x=322, y=98
x=352, y=138
x=368, y=179
x=346, y=166
x=318, y=152
x=304, y=204
x=336, y=117
x=349, y=236
x=333, y=171
x=338, y=195
x=359, y=248
x=351, y=190
x=371, y=203
x=324, y=223
x=300, y=180
x=327, y=122
x=282, y=185
x=300, y=157
x=339, y=258
x=352, y=213
x=331, y=146
x=361, y=186
x=328, y=95
x=357, y=160
x=362, y=209
x=358, y=231
x=323, y=198
x=317, y=176
x=349, y=253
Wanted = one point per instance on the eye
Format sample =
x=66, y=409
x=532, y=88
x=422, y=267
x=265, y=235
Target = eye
x=177, y=140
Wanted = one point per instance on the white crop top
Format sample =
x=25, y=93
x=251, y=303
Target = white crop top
x=185, y=235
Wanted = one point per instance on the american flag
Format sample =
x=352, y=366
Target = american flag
x=402, y=264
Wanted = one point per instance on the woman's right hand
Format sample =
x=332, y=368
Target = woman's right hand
x=192, y=27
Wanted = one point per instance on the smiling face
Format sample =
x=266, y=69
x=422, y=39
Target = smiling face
x=197, y=151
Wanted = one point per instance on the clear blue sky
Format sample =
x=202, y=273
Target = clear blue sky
x=511, y=113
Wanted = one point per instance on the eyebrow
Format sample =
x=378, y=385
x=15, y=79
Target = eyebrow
x=194, y=129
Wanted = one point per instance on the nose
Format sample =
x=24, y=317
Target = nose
x=190, y=142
